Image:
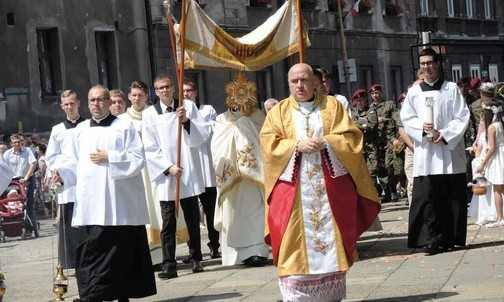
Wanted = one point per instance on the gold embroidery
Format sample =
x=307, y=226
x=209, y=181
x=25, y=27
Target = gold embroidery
x=316, y=205
x=227, y=171
x=246, y=157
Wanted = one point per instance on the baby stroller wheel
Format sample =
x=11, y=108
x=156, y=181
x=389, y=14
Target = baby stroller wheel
x=2, y=237
x=23, y=233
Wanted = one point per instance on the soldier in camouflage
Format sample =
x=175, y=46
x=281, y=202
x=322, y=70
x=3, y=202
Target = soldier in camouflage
x=367, y=121
x=384, y=110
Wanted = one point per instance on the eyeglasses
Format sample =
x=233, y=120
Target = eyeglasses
x=99, y=100
x=165, y=87
x=429, y=63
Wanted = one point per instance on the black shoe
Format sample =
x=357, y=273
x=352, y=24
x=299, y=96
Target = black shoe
x=168, y=274
x=255, y=261
x=432, y=249
x=394, y=197
x=157, y=267
x=196, y=267
x=385, y=198
x=214, y=253
x=187, y=260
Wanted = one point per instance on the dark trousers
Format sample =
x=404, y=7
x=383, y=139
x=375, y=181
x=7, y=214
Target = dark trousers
x=168, y=231
x=208, y=199
x=69, y=237
x=30, y=204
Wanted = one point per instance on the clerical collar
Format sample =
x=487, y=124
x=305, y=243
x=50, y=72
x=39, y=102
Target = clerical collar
x=431, y=86
x=72, y=123
x=103, y=122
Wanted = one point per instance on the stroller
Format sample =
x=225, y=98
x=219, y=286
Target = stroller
x=14, y=220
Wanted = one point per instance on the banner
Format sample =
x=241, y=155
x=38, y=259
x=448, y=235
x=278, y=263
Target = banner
x=209, y=47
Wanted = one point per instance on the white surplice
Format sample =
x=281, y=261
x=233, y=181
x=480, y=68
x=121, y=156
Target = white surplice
x=451, y=117
x=159, y=134
x=59, y=141
x=209, y=115
x=153, y=206
x=109, y=193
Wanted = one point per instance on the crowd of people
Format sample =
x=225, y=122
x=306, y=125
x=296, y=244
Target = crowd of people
x=306, y=176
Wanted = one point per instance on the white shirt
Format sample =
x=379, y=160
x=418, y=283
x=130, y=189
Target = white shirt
x=19, y=163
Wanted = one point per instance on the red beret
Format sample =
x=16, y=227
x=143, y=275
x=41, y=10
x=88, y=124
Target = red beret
x=463, y=81
x=401, y=97
x=375, y=87
x=475, y=83
x=359, y=93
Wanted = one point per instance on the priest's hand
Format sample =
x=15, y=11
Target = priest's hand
x=311, y=145
x=175, y=171
x=181, y=113
x=100, y=156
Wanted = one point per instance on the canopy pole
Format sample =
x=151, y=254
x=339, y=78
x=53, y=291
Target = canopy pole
x=300, y=31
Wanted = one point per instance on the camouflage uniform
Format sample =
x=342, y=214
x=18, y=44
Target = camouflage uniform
x=383, y=109
x=367, y=121
x=394, y=161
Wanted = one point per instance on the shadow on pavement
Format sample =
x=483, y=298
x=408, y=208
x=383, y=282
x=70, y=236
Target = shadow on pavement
x=203, y=298
x=415, y=298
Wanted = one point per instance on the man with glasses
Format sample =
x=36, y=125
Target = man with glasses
x=104, y=163
x=159, y=133
x=438, y=212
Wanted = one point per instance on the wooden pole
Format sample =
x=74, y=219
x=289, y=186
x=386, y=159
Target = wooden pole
x=181, y=100
x=300, y=31
x=173, y=40
x=346, y=68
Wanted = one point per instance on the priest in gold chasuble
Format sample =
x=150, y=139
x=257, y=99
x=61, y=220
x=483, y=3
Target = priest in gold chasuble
x=320, y=197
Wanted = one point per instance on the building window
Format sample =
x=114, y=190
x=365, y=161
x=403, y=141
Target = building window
x=396, y=81
x=49, y=61
x=469, y=9
x=105, y=55
x=456, y=72
x=424, y=7
x=365, y=76
x=493, y=73
x=450, y=9
x=475, y=71
x=486, y=7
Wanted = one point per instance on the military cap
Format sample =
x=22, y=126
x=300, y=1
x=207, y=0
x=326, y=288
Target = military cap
x=359, y=93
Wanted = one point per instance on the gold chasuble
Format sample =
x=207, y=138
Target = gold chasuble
x=353, y=200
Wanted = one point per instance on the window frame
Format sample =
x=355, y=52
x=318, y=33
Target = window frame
x=469, y=9
x=456, y=71
x=475, y=71
x=450, y=8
